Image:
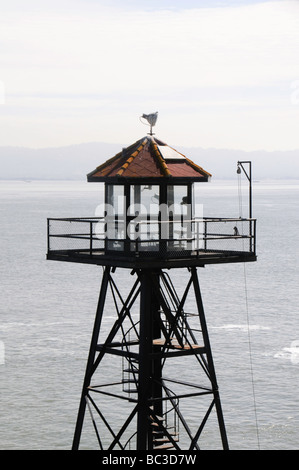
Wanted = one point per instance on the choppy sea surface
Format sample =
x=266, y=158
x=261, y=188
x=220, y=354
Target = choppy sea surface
x=47, y=311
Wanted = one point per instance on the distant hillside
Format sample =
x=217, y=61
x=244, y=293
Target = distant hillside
x=75, y=161
x=273, y=165
x=65, y=163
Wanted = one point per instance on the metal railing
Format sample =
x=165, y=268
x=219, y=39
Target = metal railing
x=147, y=237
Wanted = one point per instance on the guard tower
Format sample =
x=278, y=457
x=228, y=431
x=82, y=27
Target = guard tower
x=164, y=390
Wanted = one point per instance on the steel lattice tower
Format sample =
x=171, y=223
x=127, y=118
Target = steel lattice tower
x=161, y=343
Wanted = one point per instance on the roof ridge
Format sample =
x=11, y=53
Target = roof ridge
x=197, y=167
x=106, y=163
x=148, y=157
x=159, y=158
x=112, y=159
x=131, y=157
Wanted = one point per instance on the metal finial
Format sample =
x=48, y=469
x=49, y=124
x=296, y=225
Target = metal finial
x=151, y=119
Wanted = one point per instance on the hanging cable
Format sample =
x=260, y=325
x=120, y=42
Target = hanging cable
x=240, y=196
x=250, y=355
x=247, y=317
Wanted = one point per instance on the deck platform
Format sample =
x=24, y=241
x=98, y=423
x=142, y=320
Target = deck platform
x=199, y=259
x=197, y=242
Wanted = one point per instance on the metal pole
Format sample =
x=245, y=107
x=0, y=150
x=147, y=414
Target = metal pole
x=48, y=235
x=157, y=390
x=90, y=236
x=250, y=205
x=144, y=358
x=209, y=359
x=249, y=177
x=250, y=192
x=91, y=357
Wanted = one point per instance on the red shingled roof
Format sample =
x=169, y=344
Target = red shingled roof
x=148, y=158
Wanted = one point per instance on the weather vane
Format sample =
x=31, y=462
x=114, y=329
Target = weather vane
x=151, y=120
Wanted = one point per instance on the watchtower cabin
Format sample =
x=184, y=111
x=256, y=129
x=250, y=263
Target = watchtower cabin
x=157, y=334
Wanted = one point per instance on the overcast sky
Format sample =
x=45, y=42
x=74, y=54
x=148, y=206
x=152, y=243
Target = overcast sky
x=222, y=74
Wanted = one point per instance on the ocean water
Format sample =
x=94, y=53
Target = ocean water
x=47, y=312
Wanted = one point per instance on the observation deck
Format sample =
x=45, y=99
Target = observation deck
x=151, y=243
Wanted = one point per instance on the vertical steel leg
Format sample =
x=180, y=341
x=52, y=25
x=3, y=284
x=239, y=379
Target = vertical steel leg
x=150, y=400
x=144, y=361
x=209, y=359
x=91, y=357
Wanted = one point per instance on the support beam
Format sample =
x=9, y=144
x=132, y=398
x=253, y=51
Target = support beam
x=161, y=333
x=90, y=361
x=209, y=358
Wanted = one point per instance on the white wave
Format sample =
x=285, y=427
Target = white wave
x=291, y=353
x=242, y=327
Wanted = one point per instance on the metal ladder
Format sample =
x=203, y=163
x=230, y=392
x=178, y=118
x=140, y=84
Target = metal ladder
x=165, y=430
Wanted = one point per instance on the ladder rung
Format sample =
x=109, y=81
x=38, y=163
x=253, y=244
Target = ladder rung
x=162, y=434
x=164, y=446
x=175, y=344
x=156, y=417
x=165, y=440
x=154, y=423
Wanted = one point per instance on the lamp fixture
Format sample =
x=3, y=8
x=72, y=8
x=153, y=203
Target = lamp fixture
x=240, y=167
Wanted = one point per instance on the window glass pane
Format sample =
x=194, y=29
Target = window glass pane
x=144, y=199
x=179, y=210
x=115, y=220
x=115, y=199
x=177, y=198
